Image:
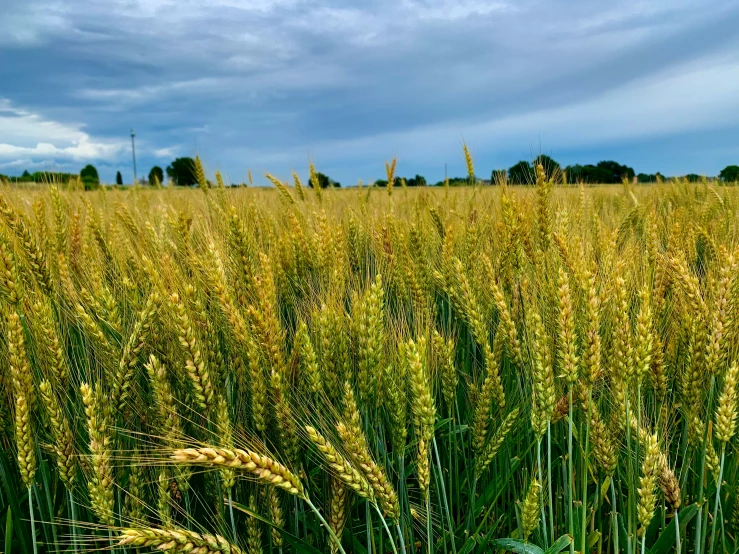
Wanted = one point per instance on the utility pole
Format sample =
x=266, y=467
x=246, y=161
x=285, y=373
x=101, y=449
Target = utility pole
x=133, y=150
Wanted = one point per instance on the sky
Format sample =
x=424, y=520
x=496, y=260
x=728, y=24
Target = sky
x=269, y=85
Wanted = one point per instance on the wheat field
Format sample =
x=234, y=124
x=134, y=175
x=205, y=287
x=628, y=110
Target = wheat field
x=440, y=370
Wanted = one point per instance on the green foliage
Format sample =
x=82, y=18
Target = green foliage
x=89, y=173
x=417, y=181
x=182, y=172
x=455, y=182
x=325, y=181
x=617, y=171
x=118, y=178
x=730, y=174
x=588, y=174
x=498, y=176
x=156, y=172
x=551, y=167
x=89, y=176
x=40, y=177
x=650, y=177
x=521, y=174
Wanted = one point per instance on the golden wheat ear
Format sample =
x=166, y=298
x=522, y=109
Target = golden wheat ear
x=264, y=469
x=175, y=540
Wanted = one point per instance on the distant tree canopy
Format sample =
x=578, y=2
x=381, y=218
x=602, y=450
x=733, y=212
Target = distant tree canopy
x=156, y=175
x=118, y=178
x=521, y=173
x=182, y=172
x=324, y=181
x=730, y=174
x=89, y=172
x=40, y=177
x=693, y=178
x=618, y=172
x=455, y=182
x=650, y=177
x=89, y=176
x=551, y=168
x=588, y=174
x=417, y=181
x=498, y=176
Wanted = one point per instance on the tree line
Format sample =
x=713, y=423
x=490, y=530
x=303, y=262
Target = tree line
x=604, y=172
x=182, y=173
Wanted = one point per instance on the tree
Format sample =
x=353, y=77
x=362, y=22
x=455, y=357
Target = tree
x=25, y=177
x=156, y=172
x=588, y=174
x=618, y=171
x=324, y=181
x=693, y=178
x=118, y=178
x=498, y=176
x=417, y=181
x=650, y=177
x=89, y=172
x=89, y=176
x=729, y=174
x=521, y=173
x=552, y=169
x=182, y=172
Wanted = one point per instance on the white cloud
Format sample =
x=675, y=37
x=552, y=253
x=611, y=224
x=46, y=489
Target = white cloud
x=167, y=152
x=454, y=10
x=31, y=136
x=20, y=163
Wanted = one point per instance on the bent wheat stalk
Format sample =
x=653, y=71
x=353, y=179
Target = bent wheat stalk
x=265, y=469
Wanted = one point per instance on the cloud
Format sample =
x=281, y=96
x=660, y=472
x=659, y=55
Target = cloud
x=246, y=82
x=168, y=152
x=32, y=138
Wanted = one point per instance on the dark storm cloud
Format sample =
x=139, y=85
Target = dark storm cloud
x=267, y=83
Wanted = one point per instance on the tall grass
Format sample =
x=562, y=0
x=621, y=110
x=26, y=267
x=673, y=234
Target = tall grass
x=447, y=370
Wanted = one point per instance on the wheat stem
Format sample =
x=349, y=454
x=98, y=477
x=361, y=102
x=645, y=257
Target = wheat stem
x=325, y=524
x=543, y=508
x=614, y=517
x=568, y=488
x=387, y=529
x=678, y=541
x=549, y=479
x=444, y=497
x=699, y=539
x=33, y=522
x=718, y=497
